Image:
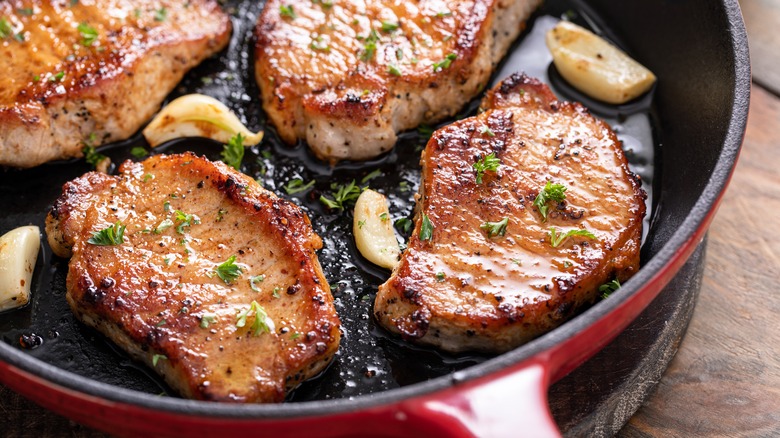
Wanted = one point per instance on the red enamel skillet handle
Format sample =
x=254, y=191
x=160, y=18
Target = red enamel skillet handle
x=511, y=403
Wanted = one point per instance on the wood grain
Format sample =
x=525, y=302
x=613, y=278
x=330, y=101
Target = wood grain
x=725, y=380
x=762, y=19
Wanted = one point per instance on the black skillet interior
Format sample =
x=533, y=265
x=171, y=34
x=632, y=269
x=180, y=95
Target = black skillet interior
x=694, y=99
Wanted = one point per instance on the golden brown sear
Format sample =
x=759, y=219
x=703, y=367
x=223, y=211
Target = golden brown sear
x=347, y=76
x=500, y=267
x=93, y=72
x=214, y=283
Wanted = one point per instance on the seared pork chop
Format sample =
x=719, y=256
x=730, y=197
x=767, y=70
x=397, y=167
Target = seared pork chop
x=346, y=76
x=215, y=282
x=77, y=72
x=488, y=266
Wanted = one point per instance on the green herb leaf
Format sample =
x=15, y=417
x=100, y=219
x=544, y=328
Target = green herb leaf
x=440, y=277
x=5, y=28
x=404, y=225
x=388, y=26
x=186, y=220
x=256, y=279
x=109, y=236
x=361, y=223
x=426, y=229
x=297, y=186
x=206, y=319
x=318, y=44
x=157, y=357
x=233, y=152
x=295, y=336
x=88, y=34
x=495, y=228
x=369, y=46
x=228, y=270
x=287, y=11
x=383, y=217
x=57, y=77
x=485, y=130
x=160, y=14
x=138, y=152
x=344, y=195
x=164, y=225
x=374, y=174
x=444, y=63
x=487, y=163
x=393, y=70
x=262, y=322
x=608, y=288
x=557, y=238
x=92, y=157
x=551, y=192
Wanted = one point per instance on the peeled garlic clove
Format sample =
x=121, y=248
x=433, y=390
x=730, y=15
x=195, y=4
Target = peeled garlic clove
x=196, y=115
x=373, y=230
x=18, y=253
x=596, y=67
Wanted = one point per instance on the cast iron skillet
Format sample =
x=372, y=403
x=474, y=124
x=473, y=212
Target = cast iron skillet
x=698, y=50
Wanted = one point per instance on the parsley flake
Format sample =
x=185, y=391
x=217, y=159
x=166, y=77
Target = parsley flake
x=256, y=279
x=5, y=28
x=440, y=277
x=487, y=163
x=186, y=220
x=342, y=195
x=551, y=192
x=91, y=156
x=369, y=47
x=374, y=174
x=157, y=357
x=233, y=152
x=557, y=238
x=485, y=130
x=228, y=270
x=109, y=236
x=88, y=34
x=608, y=288
x=393, y=70
x=297, y=186
x=58, y=77
x=384, y=217
x=389, y=26
x=426, y=230
x=287, y=11
x=262, y=322
x=164, y=225
x=138, y=152
x=495, y=228
x=404, y=225
x=160, y=14
x=206, y=319
x=318, y=44
x=444, y=63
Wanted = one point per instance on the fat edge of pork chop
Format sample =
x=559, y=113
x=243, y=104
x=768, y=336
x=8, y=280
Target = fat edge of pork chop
x=159, y=296
x=94, y=73
x=469, y=289
x=349, y=76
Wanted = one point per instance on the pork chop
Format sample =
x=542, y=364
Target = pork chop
x=93, y=72
x=347, y=76
x=215, y=282
x=488, y=266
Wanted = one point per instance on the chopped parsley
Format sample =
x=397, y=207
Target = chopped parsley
x=485, y=130
x=342, y=195
x=607, y=289
x=58, y=77
x=233, y=152
x=295, y=336
x=88, y=34
x=91, y=156
x=5, y=28
x=361, y=223
x=221, y=214
x=393, y=70
x=25, y=11
x=297, y=186
x=138, y=152
x=275, y=293
x=444, y=63
x=369, y=47
x=486, y=163
x=318, y=44
x=160, y=14
x=287, y=11
x=166, y=206
x=383, y=217
x=495, y=228
x=206, y=319
x=440, y=277
x=404, y=225
x=157, y=357
x=256, y=279
x=374, y=174
x=110, y=236
x=551, y=192
x=443, y=14
x=557, y=238
x=262, y=322
x=228, y=270
x=389, y=26
x=426, y=230
x=164, y=225
x=186, y=220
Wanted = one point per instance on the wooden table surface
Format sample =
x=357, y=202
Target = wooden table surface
x=725, y=379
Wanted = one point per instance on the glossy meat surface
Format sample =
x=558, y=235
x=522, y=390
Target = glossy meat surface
x=159, y=296
x=348, y=76
x=464, y=289
x=94, y=71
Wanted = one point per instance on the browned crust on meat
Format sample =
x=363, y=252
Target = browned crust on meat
x=362, y=104
x=128, y=294
x=501, y=292
x=107, y=91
